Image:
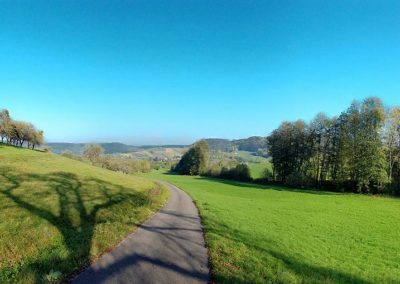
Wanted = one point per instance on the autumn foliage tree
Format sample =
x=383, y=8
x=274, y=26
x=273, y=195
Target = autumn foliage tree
x=19, y=133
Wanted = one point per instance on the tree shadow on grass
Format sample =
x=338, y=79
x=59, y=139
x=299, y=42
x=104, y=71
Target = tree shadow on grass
x=78, y=202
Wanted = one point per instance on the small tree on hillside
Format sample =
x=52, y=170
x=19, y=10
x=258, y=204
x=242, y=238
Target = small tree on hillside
x=93, y=152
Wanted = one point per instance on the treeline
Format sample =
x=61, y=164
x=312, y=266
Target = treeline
x=94, y=153
x=19, y=133
x=358, y=151
x=196, y=161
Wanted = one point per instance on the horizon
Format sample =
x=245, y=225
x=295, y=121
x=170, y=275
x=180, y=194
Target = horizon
x=153, y=73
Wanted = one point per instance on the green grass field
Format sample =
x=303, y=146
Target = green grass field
x=275, y=235
x=257, y=169
x=58, y=214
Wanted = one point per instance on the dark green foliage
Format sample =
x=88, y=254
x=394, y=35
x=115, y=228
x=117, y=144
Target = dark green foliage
x=239, y=173
x=345, y=153
x=195, y=160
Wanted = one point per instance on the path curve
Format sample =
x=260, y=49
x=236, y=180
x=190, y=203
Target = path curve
x=168, y=248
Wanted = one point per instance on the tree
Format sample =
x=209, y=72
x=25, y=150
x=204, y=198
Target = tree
x=93, y=152
x=195, y=160
x=346, y=152
x=363, y=145
x=37, y=138
x=392, y=141
x=5, y=120
x=290, y=149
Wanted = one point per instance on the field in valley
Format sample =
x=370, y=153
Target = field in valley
x=58, y=214
x=270, y=234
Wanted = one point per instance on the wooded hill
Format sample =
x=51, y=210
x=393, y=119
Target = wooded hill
x=255, y=144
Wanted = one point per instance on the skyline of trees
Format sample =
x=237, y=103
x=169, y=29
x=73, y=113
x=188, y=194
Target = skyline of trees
x=357, y=151
x=19, y=133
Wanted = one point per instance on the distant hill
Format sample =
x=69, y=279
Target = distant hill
x=109, y=148
x=77, y=148
x=252, y=144
x=223, y=145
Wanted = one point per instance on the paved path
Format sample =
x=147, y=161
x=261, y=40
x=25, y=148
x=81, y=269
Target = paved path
x=168, y=248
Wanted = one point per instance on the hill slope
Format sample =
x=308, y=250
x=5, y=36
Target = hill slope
x=59, y=214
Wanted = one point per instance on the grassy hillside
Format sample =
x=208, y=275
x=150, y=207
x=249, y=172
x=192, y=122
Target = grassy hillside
x=58, y=214
x=275, y=235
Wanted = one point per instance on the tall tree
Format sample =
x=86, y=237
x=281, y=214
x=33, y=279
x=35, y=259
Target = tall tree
x=195, y=160
x=392, y=141
x=5, y=120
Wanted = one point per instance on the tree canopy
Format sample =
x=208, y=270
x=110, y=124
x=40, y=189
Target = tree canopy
x=195, y=160
x=19, y=133
x=357, y=151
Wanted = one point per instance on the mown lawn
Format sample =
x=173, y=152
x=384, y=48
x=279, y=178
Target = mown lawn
x=58, y=214
x=275, y=235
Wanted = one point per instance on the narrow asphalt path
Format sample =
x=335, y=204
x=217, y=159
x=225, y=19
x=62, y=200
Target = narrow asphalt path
x=168, y=248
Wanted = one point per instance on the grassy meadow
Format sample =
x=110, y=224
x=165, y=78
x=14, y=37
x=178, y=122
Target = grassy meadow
x=59, y=214
x=257, y=169
x=259, y=234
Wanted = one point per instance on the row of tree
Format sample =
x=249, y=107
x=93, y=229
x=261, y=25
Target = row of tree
x=357, y=151
x=19, y=133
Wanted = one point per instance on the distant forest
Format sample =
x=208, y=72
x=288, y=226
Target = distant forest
x=357, y=151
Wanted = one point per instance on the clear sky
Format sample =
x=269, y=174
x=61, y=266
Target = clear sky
x=150, y=72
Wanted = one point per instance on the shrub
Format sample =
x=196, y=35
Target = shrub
x=240, y=173
x=297, y=179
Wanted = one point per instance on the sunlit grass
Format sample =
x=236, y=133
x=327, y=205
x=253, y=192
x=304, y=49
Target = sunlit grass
x=275, y=235
x=58, y=214
x=257, y=169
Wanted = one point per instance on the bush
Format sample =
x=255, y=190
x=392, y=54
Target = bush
x=240, y=173
x=297, y=179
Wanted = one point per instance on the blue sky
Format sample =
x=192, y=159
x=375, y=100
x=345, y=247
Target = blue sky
x=150, y=72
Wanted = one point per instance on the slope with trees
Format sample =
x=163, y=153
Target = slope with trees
x=19, y=133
